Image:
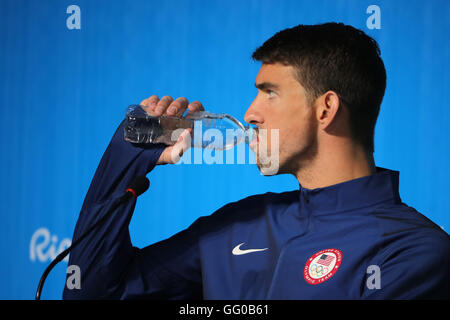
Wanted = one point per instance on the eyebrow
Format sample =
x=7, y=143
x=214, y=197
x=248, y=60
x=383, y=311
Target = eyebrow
x=266, y=86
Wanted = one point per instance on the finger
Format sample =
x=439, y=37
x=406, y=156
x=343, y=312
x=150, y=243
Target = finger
x=179, y=148
x=174, y=153
x=149, y=104
x=196, y=106
x=178, y=107
x=162, y=105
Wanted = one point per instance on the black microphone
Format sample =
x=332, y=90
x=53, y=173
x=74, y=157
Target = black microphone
x=137, y=187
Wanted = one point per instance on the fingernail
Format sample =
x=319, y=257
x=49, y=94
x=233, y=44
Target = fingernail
x=158, y=110
x=173, y=110
x=183, y=135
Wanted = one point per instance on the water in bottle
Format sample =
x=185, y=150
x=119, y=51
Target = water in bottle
x=209, y=130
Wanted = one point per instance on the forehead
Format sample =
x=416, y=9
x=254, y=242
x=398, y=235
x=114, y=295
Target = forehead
x=278, y=74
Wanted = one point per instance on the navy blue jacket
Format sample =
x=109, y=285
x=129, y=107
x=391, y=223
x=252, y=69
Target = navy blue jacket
x=353, y=240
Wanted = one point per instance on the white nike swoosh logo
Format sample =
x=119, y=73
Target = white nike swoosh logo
x=237, y=250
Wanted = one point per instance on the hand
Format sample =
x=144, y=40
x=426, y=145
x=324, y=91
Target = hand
x=167, y=106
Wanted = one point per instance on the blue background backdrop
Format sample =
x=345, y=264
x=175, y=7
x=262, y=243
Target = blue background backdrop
x=63, y=92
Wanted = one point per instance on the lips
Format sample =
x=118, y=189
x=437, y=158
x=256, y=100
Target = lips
x=254, y=142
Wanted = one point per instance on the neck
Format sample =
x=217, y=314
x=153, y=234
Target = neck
x=342, y=163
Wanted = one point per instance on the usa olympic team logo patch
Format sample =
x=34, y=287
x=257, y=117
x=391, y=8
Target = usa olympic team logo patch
x=322, y=266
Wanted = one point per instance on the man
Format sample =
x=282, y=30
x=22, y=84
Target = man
x=344, y=234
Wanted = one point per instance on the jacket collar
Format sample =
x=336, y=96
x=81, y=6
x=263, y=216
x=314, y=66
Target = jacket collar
x=367, y=191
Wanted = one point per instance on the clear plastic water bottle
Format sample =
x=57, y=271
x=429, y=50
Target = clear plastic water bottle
x=209, y=130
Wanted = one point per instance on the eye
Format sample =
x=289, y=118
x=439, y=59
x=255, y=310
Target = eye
x=271, y=93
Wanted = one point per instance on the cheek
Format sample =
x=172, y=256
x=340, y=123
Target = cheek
x=298, y=133
x=295, y=128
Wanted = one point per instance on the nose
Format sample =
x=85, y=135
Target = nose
x=253, y=114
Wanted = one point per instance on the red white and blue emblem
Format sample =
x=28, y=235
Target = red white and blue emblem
x=322, y=266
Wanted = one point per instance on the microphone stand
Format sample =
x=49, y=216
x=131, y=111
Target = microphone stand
x=133, y=191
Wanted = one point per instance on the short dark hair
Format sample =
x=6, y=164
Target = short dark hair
x=337, y=57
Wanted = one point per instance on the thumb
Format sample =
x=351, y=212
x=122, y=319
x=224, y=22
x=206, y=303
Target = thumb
x=174, y=153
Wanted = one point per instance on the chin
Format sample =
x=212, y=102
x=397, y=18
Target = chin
x=269, y=168
x=267, y=171
x=267, y=159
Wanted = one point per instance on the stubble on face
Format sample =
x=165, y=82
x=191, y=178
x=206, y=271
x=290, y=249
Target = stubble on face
x=300, y=159
x=287, y=140
x=267, y=151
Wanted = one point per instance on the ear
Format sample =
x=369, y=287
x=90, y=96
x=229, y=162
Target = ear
x=327, y=107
